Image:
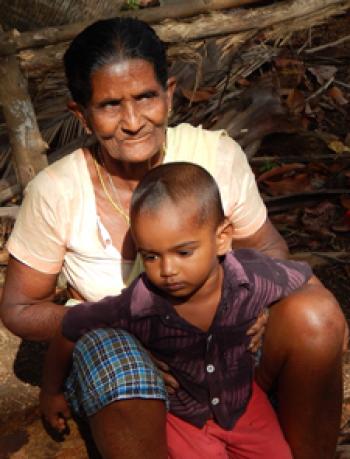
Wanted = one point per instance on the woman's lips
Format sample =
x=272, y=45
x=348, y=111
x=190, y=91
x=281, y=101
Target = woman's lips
x=134, y=140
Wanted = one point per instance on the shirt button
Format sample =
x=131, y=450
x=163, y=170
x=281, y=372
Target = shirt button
x=167, y=317
x=210, y=368
x=215, y=401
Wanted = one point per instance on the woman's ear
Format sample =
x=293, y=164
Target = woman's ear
x=224, y=234
x=78, y=112
x=171, y=85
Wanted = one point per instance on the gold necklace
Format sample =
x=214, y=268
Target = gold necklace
x=116, y=206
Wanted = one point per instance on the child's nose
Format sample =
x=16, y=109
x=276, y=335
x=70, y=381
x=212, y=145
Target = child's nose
x=168, y=268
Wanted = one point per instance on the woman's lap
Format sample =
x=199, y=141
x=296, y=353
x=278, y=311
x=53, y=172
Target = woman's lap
x=110, y=365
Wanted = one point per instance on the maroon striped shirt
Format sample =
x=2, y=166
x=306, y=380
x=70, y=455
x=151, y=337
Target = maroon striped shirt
x=214, y=368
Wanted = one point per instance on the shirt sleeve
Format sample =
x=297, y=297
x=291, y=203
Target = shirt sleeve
x=40, y=232
x=241, y=198
x=272, y=279
x=111, y=311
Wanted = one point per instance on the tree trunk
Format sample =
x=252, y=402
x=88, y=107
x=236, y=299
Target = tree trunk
x=28, y=147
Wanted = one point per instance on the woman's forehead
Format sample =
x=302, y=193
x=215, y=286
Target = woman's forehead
x=126, y=69
x=129, y=75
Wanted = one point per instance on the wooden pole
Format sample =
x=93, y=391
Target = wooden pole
x=281, y=18
x=14, y=41
x=247, y=20
x=28, y=147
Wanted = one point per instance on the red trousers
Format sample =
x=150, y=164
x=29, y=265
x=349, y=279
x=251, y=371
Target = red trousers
x=256, y=435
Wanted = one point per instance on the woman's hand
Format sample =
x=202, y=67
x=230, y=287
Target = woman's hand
x=257, y=330
x=170, y=382
x=55, y=410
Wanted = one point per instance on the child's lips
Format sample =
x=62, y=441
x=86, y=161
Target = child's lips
x=174, y=286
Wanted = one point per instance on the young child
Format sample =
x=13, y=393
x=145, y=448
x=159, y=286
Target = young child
x=190, y=309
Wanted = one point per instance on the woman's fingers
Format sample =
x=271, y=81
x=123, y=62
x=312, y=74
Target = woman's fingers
x=257, y=330
x=260, y=323
x=159, y=364
x=170, y=382
x=256, y=341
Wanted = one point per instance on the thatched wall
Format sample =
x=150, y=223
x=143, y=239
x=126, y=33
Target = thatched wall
x=208, y=50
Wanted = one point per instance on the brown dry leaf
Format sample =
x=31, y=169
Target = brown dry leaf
x=201, y=95
x=243, y=82
x=338, y=147
x=289, y=184
x=337, y=95
x=282, y=62
x=295, y=101
x=345, y=201
x=347, y=139
x=145, y=3
x=287, y=218
x=279, y=171
x=323, y=73
x=318, y=219
x=291, y=72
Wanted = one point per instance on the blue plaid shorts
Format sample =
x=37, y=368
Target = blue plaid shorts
x=110, y=365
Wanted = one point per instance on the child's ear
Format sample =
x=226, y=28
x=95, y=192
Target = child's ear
x=224, y=235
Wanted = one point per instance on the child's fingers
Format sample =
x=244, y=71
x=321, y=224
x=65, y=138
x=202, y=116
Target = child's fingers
x=66, y=412
x=61, y=424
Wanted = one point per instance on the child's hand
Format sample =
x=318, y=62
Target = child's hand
x=55, y=410
x=257, y=330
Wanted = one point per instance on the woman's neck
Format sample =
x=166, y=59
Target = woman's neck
x=127, y=172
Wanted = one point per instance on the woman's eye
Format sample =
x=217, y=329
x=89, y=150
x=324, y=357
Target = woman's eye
x=111, y=105
x=185, y=253
x=147, y=95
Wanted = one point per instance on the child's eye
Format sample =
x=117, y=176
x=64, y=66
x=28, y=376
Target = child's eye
x=149, y=256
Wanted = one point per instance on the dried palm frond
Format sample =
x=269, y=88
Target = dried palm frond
x=24, y=15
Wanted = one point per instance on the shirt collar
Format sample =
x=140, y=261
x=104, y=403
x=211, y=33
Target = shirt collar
x=234, y=272
x=146, y=300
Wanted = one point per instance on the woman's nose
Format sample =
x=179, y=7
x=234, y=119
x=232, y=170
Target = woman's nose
x=131, y=119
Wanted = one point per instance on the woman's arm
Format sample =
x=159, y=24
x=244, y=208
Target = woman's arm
x=27, y=307
x=243, y=202
x=267, y=240
x=58, y=360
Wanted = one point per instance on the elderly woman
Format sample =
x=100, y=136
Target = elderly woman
x=75, y=217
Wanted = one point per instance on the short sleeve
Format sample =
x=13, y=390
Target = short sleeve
x=39, y=235
x=241, y=198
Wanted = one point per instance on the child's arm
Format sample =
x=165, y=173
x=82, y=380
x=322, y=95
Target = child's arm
x=53, y=405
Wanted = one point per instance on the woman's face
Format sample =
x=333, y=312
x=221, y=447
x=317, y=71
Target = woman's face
x=128, y=110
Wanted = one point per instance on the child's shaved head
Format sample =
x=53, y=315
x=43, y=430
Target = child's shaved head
x=179, y=183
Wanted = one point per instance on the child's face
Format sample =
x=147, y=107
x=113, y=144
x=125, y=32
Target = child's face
x=180, y=257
